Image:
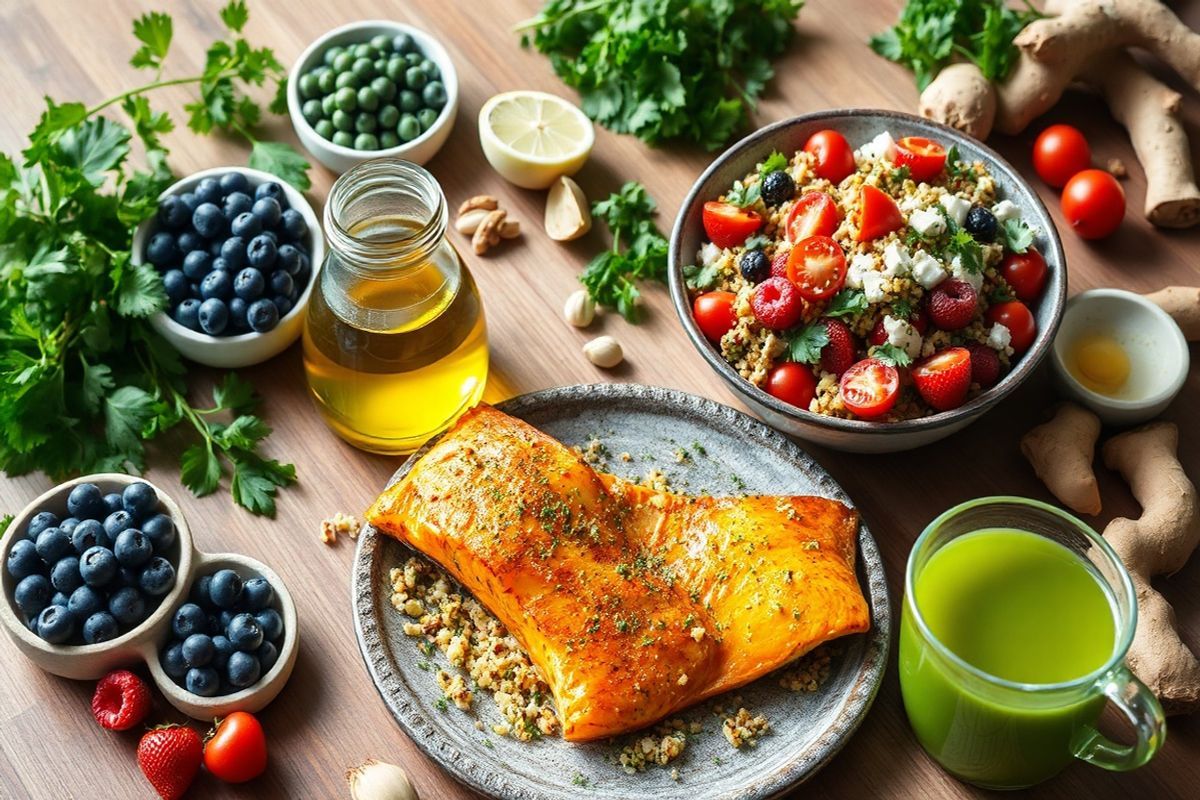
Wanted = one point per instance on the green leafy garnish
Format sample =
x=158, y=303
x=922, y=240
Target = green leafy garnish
x=902, y=309
x=665, y=69
x=772, y=163
x=953, y=159
x=5, y=522
x=742, y=195
x=888, y=353
x=639, y=251
x=701, y=278
x=1018, y=235
x=846, y=302
x=900, y=174
x=970, y=254
x=805, y=344
x=931, y=33
x=757, y=242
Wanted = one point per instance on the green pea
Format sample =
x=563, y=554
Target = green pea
x=384, y=88
x=430, y=69
x=342, y=61
x=327, y=83
x=426, y=116
x=325, y=129
x=409, y=101
x=413, y=59
x=381, y=42
x=389, y=117
x=409, y=128
x=434, y=95
x=388, y=140
x=364, y=68
x=328, y=105
x=343, y=121
x=415, y=78
x=361, y=50
x=403, y=43
x=312, y=111
x=344, y=139
x=368, y=99
x=395, y=69
x=307, y=86
x=346, y=80
x=366, y=123
x=347, y=99
x=366, y=141
x=332, y=53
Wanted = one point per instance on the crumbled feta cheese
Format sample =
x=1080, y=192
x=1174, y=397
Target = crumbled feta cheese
x=999, y=337
x=903, y=335
x=926, y=270
x=860, y=265
x=709, y=253
x=895, y=260
x=911, y=203
x=882, y=146
x=927, y=222
x=1005, y=210
x=963, y=274
x=872, y=284
x=956, y=207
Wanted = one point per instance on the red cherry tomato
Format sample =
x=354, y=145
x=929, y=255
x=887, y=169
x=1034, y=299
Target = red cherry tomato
x=1025, y=273
x=792, y=383
x=878, y=214
x=817, y=266
x=1015, y=316
x=814, y=214
x=237, y=751
x=923, y=157
x=727, y=225
x=1059, y=153
x=870, y=388
x=1093, y=203
x=834, y=158
x=714, y=314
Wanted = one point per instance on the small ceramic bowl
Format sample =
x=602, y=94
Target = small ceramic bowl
x=142, y=643
x=242, y=350
x=339, y=158
x=1158, y=354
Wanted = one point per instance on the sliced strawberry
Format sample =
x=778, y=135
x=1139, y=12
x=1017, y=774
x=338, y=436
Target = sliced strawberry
x=878, y=214
x=779, y=264
x=727, y=225
x=985, y=365
x=943, y=378
x=839, y=355
x=814, y=214
x=121, y=701
x=777, y=303
x=952, y=304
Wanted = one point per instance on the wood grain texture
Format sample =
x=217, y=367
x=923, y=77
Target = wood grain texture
x=329, y=717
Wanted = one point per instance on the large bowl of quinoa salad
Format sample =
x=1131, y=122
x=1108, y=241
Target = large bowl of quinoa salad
x=867, y=280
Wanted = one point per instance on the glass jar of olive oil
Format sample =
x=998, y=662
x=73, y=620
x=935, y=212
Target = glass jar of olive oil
x=395, y=345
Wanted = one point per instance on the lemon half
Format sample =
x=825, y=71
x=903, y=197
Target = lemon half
x=533, y=138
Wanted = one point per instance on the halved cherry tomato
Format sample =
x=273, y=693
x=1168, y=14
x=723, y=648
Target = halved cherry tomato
x=834, y=158
x=727, y=225
x=1025, y=273
x=1059, y=153
x=1015, y=316
x=878, y=214
x=1094, y=203
x=714, y=314
x=817, y=266
x=870, y=388
x=923, y=157
x=814, y=214
x=792, y=383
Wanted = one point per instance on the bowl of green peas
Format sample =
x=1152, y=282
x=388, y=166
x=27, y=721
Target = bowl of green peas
x=374, y=89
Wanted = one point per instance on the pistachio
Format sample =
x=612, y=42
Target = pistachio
x=567, y=214
x=579, y=309
x=604, y=352
x=469, y=222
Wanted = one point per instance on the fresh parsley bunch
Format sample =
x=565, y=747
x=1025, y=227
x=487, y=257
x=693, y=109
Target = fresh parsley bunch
x=639, y=251
x=84, y=380
x=665, y=69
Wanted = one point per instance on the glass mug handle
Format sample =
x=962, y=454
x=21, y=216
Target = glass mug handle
x=1141, y=708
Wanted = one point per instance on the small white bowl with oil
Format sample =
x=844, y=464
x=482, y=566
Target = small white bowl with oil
x=1120, y=355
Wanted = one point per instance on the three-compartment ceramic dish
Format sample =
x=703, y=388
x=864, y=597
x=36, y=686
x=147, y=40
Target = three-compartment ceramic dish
x=145, y=640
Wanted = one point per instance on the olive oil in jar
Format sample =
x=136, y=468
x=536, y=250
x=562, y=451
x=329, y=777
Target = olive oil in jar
x=395, y=344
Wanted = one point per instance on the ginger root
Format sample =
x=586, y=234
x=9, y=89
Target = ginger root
x=961, y=97
x=1061, y=452
x=1183, y=304
x=1159, y=542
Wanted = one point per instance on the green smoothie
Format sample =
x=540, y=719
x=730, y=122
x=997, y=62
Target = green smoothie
x=1019, y=607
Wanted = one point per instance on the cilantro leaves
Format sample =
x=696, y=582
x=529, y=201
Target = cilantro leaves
x=665, y=69
x=742, y=195
x=1018, y=235
x=889, y=353
x=805, y=344
x=639, y=251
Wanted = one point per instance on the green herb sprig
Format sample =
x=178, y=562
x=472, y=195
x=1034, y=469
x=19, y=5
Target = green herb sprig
x=639, y=251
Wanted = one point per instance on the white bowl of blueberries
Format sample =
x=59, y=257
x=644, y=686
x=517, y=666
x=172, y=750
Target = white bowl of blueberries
x=238, y=252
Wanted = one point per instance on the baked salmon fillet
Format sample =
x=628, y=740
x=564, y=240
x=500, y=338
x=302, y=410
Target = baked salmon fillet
x=632, y=603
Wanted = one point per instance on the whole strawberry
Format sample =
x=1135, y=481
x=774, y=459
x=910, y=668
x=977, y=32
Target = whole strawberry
x=840, y=354
x=170, y=757
x=985, y=365
x=121, y=701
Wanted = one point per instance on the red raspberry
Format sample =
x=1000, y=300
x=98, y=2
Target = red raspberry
x=952, y=304
x=779, y=263
x=839, y=355
x=121, y=701
x=985, y=365
x=777, y=303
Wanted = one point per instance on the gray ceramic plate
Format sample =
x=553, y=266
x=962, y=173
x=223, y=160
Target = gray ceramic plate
x=741, y=455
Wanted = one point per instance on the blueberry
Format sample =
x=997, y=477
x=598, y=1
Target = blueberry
x=189, y=619
x=217, y=284
x=113, y=502
x=236, y=204
x=85, y=601
x=100, y=627
x=157, y=577
x=208, y=191
x=59, y=599
x=39, y=523
x=64, y=575
x=293, y=226
x=243, y=670
x=288, y=259
x=52, y=544
x=282, y=283
x=23, y=560
x=117, y=521
x=173, y=213
x=268, y=211
x=190, y=201
x=245, y=632
x=161, y=250
x=777, y=187
x=139, y=499
x=234, y=182
x=233, y=251
x=222, y=650
x=98, y=566
x=187, y=314
x=262, y=316
x=215, y=628
x=225, y=590
x=268, y=654
x=198, y=650
x=271, y=623
x=172, y=661
x=755, y=266
x=214, y=316
x=272, y=190
x=127, y=605
x=214, y=248
x=249, y=284
x=262, y=252
x=32, y=594
x=283, y=304
x=246, y=225
x=88, y=534
x=237, y=315
x=55, y=624
x=161, y=532
x=208, y=221
x=203, y=681
x=981, y=224
x=132, y=548
x=198, y=594
x=257, y=594
x=197, y=264
x=68, y=525
x=176, y=285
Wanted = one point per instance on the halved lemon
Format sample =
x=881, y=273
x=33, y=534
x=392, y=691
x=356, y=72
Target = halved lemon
x=533, y=138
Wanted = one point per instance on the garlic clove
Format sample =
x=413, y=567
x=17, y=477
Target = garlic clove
x=469, y=222
x=568, y=215
x=579, y=309
x=604, y=352
x=378, y=780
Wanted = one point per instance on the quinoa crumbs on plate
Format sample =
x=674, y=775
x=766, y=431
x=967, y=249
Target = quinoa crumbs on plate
x=742, y=729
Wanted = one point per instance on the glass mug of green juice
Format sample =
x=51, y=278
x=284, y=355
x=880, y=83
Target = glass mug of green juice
x=1016, y=621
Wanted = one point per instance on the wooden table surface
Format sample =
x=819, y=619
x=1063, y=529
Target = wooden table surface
x=330, y=717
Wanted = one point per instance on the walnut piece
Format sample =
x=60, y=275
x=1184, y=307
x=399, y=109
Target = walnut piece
x=484, y=201
x=487, y=235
